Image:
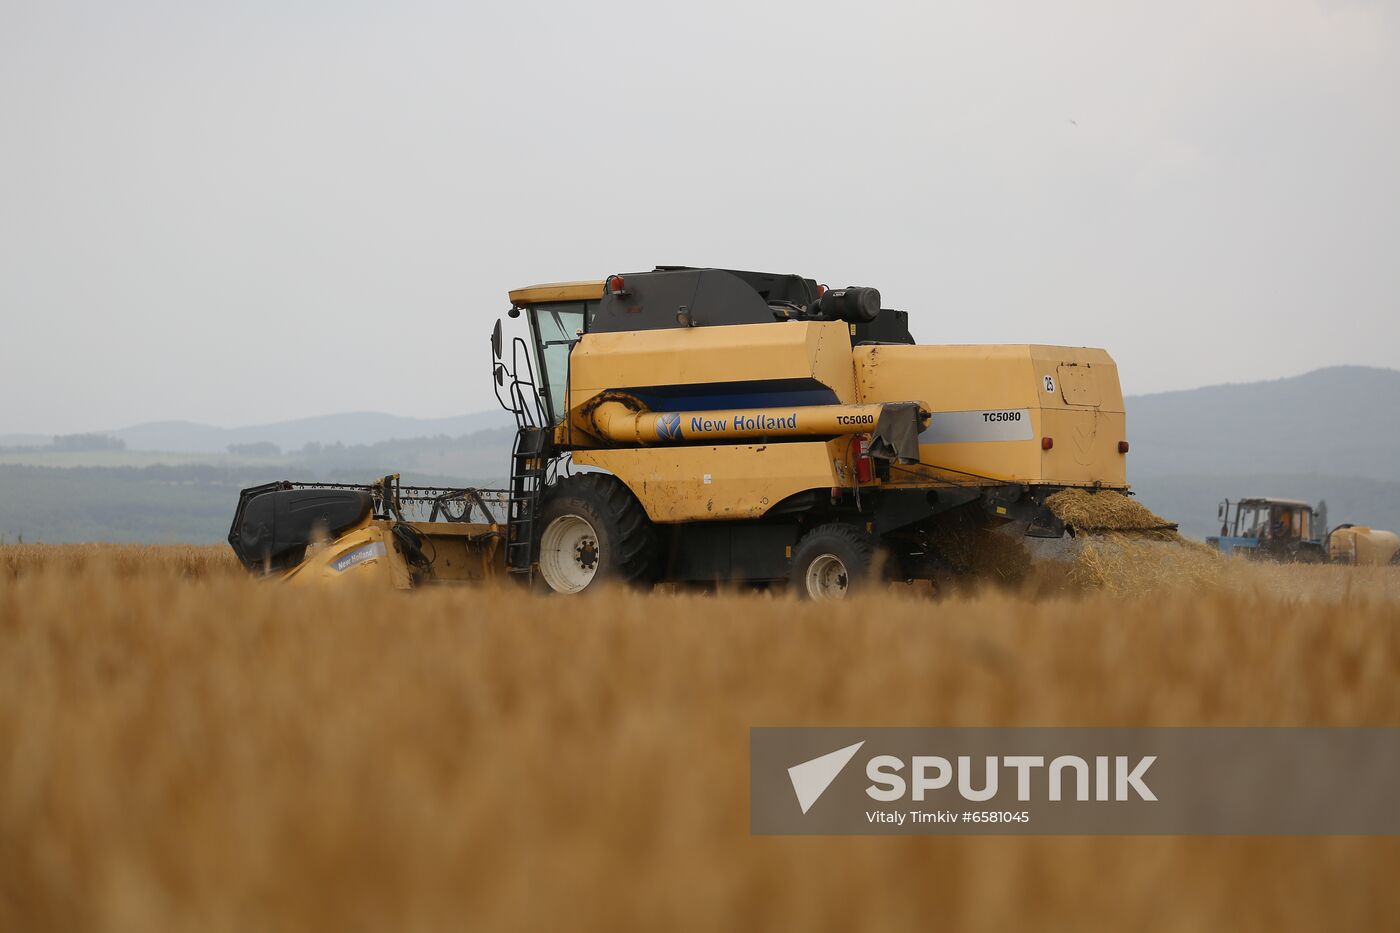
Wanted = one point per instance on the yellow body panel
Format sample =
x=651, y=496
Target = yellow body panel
x=992, y=405
x=679, y=484
x=362, y=555
x=558, y=291
x=461, y=552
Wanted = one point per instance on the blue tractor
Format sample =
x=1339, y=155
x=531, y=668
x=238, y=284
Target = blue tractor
x=1272, y=529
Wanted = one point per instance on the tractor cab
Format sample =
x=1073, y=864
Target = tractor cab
x=1273, y=529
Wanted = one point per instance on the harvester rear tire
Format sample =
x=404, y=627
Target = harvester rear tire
x=830, y=561
x=593, y=532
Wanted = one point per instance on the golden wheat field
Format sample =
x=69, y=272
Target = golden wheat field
x=185, y=748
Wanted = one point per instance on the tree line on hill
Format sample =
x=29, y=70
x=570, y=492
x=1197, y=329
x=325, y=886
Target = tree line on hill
x=74, y=443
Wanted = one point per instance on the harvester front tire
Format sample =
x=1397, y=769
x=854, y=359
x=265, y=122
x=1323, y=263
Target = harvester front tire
x=595, y=532
x=830, y=561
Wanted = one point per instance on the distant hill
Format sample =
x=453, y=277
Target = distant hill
x=1344, y=420
x=350, y=428
x=1191, y=500
x=161, y=498
x=191, y=504
x=1330, y=434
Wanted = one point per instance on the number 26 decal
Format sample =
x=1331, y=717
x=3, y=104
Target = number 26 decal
x=1049, y=383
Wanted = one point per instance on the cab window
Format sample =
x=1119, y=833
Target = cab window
x=556, y=328
x=1250, y=521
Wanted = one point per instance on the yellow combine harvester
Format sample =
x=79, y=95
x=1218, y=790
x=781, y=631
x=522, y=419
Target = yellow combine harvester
x=710, y=425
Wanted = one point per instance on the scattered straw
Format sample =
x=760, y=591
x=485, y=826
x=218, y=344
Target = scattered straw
x=1105, y=511
x=1122, y=547
x=1133, y=565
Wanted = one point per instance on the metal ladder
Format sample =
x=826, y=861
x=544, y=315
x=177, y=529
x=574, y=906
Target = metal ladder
x=529, y=457
x=528, y=462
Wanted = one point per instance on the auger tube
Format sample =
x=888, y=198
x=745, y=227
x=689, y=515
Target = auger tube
x=621, y=424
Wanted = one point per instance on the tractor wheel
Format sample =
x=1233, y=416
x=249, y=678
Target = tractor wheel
x=830, y=561
x=594, y=531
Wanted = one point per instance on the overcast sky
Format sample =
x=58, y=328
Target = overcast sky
x=245, y=212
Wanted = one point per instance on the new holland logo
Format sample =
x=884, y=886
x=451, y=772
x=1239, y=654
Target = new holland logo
x=359, y=556
x=668, y=427
x=811, y=778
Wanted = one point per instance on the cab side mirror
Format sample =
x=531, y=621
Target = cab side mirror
x=496, y=341
x=500, y=374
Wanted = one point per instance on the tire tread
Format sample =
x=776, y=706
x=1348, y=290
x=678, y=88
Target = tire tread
x=637, y=547
x=852, y=536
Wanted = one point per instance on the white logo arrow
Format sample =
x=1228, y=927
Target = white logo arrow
x=811, y=778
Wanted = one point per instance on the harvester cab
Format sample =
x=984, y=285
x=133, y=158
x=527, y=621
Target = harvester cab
x=1272, y=529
